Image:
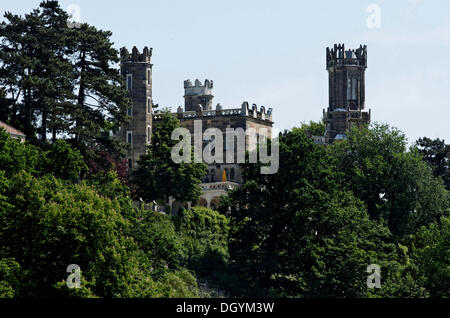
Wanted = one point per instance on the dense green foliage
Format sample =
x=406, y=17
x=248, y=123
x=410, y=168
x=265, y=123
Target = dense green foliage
x=437, y=154
x=50, y=219
x=312, y=129
x=204, y=235
x=312, y=229
x=309, y=230
x=158, y=177
x=394, y=184
x=58, y=80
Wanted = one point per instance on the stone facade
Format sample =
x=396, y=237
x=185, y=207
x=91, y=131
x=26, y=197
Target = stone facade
x=346, y=84
x=244, y=117
x=198, y=94
x=346, y=73
x=136, y=69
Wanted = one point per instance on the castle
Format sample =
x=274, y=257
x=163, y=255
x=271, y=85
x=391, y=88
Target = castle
x=346, y=91
x=346, y=71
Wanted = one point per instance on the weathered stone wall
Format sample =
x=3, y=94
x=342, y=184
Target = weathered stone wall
x=244, y=118
x=140, y=68
x=198, y=94
x=346, y=81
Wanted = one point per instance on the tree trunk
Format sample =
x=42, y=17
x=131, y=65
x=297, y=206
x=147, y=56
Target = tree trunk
x=81, y=98
x=44, y=125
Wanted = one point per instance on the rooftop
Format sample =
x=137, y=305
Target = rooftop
x=11, y=130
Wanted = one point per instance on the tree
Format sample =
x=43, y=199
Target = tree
x=313, y=128
x=10, y=278
x=16, y=156
x=300, y=232
x=59, y=80
x=158, y=177
x=35, y=70
x=64, y=162
x=436, y=153
x=102, y=100
x=395, y=185
x=204, y=234
x=432, y=255
x=47, y=225
x=160, y=244
x=4, y=106
x=59, y=160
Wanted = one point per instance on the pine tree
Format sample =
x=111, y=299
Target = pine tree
x=60, y=80
x=101, y=95
x=35, y=71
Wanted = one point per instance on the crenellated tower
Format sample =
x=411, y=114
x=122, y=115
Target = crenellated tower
x=346, y=85
x=198, y=94
x=136, y=69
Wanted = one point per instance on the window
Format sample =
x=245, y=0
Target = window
x=149, y=133
x=352, y=86
x=232, y=174
x=212, y=175
x=130, y=163
x=349, y=88
x=130, y=111
x=149, y=105
x=129, y=137
x=149, y=77
x=129, y=82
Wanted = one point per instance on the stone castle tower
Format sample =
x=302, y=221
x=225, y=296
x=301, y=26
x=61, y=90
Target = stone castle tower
x=198, y=94
x=346, y=84
x=136, y=69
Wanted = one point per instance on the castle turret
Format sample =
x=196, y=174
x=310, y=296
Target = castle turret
x=136, y=68
x=346, y=89
x=198, y=94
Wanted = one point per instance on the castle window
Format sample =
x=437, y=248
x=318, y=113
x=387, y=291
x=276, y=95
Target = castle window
x=130, y=163
x=149, y=77
x=149, y=133
x=352, y=86
x=227, y=173
x=130, y=111
x=129, y=137
x=349, y=87
x=149, y=105
x=129, y=82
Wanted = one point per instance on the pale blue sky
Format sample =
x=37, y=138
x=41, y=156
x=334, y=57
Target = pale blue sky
x=272, y=53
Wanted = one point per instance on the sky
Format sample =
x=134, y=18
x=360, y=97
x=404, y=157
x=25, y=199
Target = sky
x=272, y=53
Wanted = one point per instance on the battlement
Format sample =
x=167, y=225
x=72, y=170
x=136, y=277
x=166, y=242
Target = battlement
x=136, y=56
x=338, y=55
x=245, y=110
x=255, y=113
x=198, y=89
